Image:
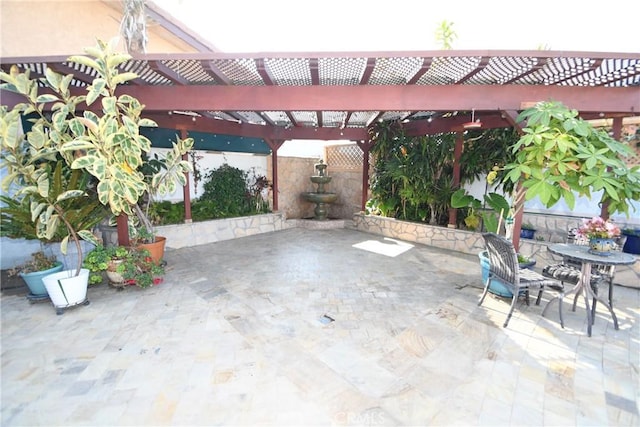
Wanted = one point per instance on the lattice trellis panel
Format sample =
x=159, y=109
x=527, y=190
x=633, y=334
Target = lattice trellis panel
x=631, y=134
x=344, y=157
x=634, y=160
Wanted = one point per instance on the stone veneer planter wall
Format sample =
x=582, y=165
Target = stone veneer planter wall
x=202, y=232
x=554, y=227
x=468, y=242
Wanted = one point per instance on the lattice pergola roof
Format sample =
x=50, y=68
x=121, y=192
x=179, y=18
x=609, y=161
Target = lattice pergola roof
x=337, y=95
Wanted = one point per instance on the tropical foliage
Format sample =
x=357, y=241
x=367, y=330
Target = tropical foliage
x=98, y=132
x=413, y=176
x=561, y=155
x=82, y=212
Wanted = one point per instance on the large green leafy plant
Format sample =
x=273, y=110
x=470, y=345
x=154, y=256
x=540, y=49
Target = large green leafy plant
x=499, y=211
x=413, y=174
x=83, y=212
x=560, y=155
x=98, y=132
x=412, y=177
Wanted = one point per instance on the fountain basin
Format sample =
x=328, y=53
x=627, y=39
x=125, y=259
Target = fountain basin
x=320, y=179
x=320, y=197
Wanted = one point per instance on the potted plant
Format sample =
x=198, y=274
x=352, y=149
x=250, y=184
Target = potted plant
x=160, y=175
x=145, y=238
x=601, y=235
x=140, y=269
x=35, y=171
x=105, y=260
x=527, y=231
x=103, y=141
x=632, y=244
x=32, y=272
x=123, y=266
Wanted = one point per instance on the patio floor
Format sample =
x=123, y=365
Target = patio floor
x=316, y=327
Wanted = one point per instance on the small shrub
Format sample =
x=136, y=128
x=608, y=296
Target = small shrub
x=226, y=187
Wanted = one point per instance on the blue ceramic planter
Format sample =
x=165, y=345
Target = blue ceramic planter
x=526, y=233
x=632, y=245
x=601, y=246
x=34, y=281
x=497, y=287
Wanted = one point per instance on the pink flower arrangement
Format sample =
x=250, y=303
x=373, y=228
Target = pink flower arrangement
x=597, y=227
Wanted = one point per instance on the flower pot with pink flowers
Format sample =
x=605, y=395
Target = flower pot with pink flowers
x=601, y=234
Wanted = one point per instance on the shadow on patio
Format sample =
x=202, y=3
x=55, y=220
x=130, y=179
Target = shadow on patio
x=315, y=327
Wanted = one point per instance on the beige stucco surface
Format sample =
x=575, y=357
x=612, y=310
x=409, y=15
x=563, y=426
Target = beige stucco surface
x=294, y=175
x=54, y=27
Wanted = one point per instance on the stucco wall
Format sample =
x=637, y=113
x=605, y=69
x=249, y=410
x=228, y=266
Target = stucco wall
x=294, y=179
x=55, y=27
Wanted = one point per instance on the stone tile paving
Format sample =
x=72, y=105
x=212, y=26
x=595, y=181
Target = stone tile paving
x=299, y=327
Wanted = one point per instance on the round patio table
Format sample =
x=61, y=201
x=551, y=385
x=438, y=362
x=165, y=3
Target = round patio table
x=581, y=254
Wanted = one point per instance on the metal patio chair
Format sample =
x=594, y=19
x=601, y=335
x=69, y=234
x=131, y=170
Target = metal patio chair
x=504, y=267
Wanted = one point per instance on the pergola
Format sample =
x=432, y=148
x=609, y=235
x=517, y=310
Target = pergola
x=337, y=95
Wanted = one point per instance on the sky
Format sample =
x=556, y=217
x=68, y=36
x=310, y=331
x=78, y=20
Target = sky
x=375, y=25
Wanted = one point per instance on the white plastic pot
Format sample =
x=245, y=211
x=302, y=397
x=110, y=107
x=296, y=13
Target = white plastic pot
x=66, y=289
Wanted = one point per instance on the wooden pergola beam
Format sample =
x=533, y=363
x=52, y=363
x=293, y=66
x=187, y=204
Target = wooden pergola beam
x=381, y=98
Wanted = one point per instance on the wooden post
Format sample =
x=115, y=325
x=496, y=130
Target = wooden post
x=274, y=144
x=457, y=153
x=122, y=223
x=186, y=194
x=365, y=146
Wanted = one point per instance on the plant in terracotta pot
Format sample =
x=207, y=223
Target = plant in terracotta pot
x=123, y=266
x=161, y=175
x=140, y=269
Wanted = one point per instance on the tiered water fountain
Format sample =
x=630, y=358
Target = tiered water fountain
x=320, y=197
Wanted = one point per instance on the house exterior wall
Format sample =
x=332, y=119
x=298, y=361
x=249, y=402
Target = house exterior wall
x=65, y=27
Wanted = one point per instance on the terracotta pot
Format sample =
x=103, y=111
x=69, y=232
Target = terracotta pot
x=156, y=249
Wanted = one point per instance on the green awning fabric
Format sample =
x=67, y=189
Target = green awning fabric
x=162, y=138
